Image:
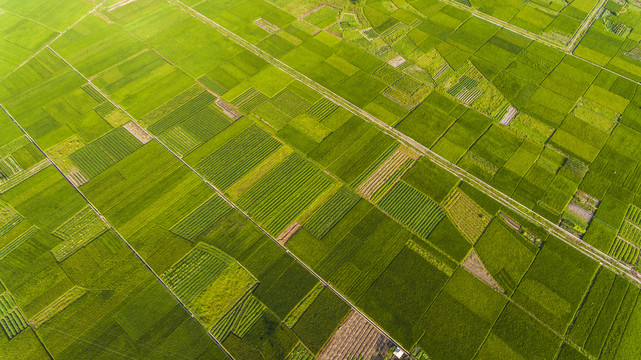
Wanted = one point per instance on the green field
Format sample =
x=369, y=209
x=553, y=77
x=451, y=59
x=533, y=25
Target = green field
x=240, y=180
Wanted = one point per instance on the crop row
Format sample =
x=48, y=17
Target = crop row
x=412, y=208
x=284, y=191
x=625, y=251
x=179, y=140
x=286, y=169
x=6, y=304
x=105, y=152
x=248, y=94
x=287, y=210
x=78, y=231
x=95, y=94
x=85, y=223
x=9, y=166
x=10, y=224
x=469, y=96
x=321, y=109
x=206, y=124
x=634, y=215
x=589, y=311
x=328, y=215
x=23, y=175
x=91, y=160
x=195, y=271
x=470, y=218
x=278, y=197
x=388, y=74
x=253, y=102
x=13, y=323
x=57, y=306
x=382, y=190
x=212, y=85
x=239, y=155
x=407, y=85
x=17, y=242
x=201, y=219
x=290, y=103
x=182, y=113
x=375, y=165
x=240, y=318
x=630, y=232
x=252, y=311
x=300, y=352
x=606, y=317
x=105, y=108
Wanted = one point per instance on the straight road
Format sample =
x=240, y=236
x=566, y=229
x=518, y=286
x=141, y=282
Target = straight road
x=224, y=197
x=104, y=219
x=585, y=248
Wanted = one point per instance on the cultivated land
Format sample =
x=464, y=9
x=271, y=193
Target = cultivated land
x=306, y=180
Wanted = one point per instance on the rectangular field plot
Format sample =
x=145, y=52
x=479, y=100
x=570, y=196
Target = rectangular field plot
x=11, y=319
x=385, y=176
x=506, y=254
x=412, y=208
x=279, y=197
x=522, y=337
x=555, y=284
x=201, y=219
x=331, y=212
x=99, y=155
x=237, y=156
x=77, y=232
x=416, y=282
x=143, y=83
x=240, y=318
x=209, y=281
x=95, y=45
x=19, y=38
x=187, y=121
x=467, y=215
x=460, y=318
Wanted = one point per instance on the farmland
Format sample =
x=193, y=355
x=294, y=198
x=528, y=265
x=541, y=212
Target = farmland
x=317, y=180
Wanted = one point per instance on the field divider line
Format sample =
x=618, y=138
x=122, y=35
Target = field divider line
x=570, y=239
x=224, y=197
x=52, y=40
x=111, y=227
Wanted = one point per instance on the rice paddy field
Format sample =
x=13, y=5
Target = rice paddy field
x=295, y=179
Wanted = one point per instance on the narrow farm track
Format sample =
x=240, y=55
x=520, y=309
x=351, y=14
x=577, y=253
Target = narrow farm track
x=111, y=227
x=585, y=25
x=220, y=193
x=572, y=240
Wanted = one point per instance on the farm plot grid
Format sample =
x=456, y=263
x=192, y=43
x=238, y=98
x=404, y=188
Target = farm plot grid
x=182, y=154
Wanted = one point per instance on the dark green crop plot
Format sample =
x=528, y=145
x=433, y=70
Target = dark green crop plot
x=407, y=277
x=319, y=321
x=520, y=336
x=460, y=318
